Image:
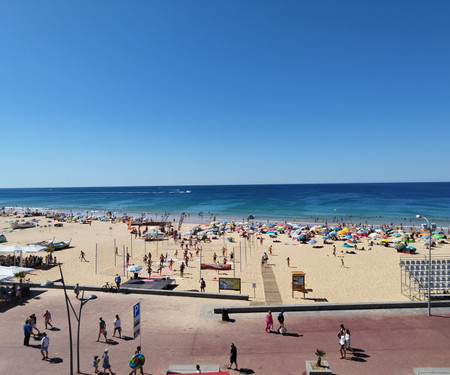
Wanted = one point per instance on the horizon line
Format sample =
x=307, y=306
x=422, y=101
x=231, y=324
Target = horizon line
x=255, y=184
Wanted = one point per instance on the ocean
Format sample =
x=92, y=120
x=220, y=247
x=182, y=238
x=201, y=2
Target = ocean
x=376, y=203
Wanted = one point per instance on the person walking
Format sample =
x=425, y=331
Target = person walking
x=233, y=356
x=106, y=365
x=26, y=333
x=95, y=363
x=82, y=256
x=118, y=280
x=341, y=336
x=269, y=322
x=33, y=321
x=45, y=342
x=117, y=327
x=138, y=350
x=48, y=318
x=348, y=340
x=102, y=329
x=202, y=285
x=280, y=318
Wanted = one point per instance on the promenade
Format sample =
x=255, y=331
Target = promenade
x=180, y=331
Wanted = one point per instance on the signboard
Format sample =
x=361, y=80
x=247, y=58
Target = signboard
x=229, y=283
x=137, y=319
x=298, y=282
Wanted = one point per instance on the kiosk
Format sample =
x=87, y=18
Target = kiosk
x=298, y=282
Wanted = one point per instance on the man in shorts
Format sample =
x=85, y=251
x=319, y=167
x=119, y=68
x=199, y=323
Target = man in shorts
x=45, y=342
x=102, y=329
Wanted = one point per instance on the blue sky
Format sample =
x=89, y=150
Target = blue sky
x=97, y=93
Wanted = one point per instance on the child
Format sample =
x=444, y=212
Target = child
x=95, y=363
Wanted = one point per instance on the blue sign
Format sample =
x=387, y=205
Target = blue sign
x=136, y=310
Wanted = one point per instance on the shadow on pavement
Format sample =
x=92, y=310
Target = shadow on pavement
x=358, y=355
x=126, y=338
x=34, y=294
x=245, y=371
x=55, y=360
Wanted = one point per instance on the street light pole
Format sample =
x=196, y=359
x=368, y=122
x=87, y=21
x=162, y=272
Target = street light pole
x=78, y=317
x=68, y=320
x=83, y=302
x=429, y=261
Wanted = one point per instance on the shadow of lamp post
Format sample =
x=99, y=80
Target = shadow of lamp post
x=78, y=317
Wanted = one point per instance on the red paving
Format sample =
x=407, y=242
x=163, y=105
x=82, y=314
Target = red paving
x=179, y=330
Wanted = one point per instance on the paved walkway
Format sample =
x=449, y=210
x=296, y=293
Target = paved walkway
x=184, y=331
x=271, y=291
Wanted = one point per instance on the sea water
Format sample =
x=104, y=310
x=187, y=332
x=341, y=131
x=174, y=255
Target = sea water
x=375, y=203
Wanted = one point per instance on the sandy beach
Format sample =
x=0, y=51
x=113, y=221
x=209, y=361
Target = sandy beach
x=368, y=275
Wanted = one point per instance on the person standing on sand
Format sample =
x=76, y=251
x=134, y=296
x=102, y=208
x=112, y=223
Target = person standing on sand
x=182, y=269
x=202, y=284
x=233, y=356
x=334, y=250
x=288, y=260
x=82, y=256
x=342, y=262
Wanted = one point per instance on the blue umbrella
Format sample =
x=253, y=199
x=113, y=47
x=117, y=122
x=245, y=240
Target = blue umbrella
x=325, y=237
x=312, y=242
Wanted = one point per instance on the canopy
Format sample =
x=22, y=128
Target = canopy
x=8, y=272
x=23, y=248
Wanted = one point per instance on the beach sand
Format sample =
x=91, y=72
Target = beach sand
x=368, y=276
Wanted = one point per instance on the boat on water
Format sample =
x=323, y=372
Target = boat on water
x=22, y=225
x=58, y=245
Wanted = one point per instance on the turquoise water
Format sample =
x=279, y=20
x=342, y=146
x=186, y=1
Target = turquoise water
x=374, y=202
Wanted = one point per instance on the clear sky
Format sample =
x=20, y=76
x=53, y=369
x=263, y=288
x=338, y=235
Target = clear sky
x=97, y=93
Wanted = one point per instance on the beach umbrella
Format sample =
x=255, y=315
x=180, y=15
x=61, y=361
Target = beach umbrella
x=373, y=235
x=348, y=236
x=383, y=236
x=333, y=233
x=400, y=246
x=312, y=242
x=134, y=268
x=324, y=237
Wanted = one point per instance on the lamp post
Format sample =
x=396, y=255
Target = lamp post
x=78, y=317
x=430, y=228
x=83, y=302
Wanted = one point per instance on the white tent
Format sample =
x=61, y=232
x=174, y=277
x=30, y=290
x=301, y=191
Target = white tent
x=7, y=273
x=23, y=248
